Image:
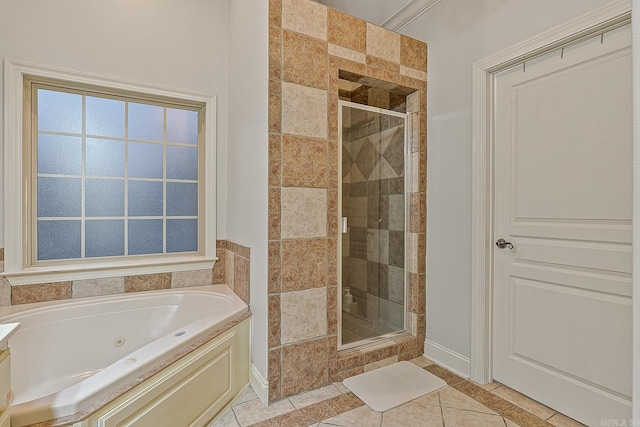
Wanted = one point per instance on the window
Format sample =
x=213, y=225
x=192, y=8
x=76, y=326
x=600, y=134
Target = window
x=113, y=178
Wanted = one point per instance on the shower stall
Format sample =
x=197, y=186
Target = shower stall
x=373, y=210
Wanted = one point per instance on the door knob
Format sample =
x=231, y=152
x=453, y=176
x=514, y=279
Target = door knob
x=501, y=243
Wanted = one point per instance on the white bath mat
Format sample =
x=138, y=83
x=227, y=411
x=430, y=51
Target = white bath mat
x=393, y=385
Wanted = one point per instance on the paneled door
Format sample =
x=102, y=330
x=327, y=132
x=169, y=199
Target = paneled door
x=563, y=206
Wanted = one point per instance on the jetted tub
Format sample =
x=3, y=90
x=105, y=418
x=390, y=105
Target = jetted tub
x=69, y=359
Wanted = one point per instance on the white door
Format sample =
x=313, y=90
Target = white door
x=562, y=296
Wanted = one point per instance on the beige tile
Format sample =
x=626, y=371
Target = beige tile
x=241, y=276
x=304, y=366
x=413, y=53
x=304, y=315
x=183, y=279
x=411, y=415
x=346, y=30
x=524, y=402
x=341, y=387
x=490, y=386
x=452, y=398
x=228, y=419
x=97, y=287
x=274, y=213
x=218, y=267
x=314, y=396
x=24, y=294
x=147, y=282
x=275, y=54
x=351, y=55
x=380, y=364
x=229, y=268
x=461, y=418
x=304, y=60
x=359, y=417
x=510, y=423
x=275, y=106
x=304, y=110
x=246, y=396
x=275, y=13
x=383, y=43
x=304, y=212
x=303, y=272
x=306, y=17
x=560, y=420
x=304, y=162
x=5, y=292
x=413, y=73
x=422, y=361
x=254, y=411
x=432, y=398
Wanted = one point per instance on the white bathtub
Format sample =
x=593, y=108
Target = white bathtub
x=73, y=356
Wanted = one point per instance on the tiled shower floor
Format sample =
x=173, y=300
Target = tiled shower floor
x=461, y=404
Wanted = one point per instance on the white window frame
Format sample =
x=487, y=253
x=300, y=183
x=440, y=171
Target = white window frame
x=16, y=216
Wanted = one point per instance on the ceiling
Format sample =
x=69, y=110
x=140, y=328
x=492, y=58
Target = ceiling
x=391, y=14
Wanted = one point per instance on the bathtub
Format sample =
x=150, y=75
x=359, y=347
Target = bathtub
x=70, y=359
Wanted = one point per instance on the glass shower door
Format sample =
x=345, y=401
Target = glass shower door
x=373, y=223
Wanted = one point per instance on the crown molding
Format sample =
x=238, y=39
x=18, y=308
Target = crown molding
x=408, y=14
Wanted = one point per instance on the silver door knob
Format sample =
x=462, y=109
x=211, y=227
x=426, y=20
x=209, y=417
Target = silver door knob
x=501, y=243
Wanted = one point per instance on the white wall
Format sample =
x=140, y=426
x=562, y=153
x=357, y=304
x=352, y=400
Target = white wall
x=460, y=32
x=248, y=153
x=172, y=45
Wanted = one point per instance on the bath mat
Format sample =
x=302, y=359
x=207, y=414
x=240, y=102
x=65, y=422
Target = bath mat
x=393, y=385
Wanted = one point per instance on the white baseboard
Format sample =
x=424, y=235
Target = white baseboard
x=259, y=385
x=453, y=361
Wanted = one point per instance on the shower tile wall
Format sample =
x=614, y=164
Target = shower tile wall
x=232, y=269
x=309, y=45
x=373, y=201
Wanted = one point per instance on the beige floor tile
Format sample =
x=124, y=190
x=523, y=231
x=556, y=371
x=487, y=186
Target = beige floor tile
x=510, y=423
x=228, y=419
x=524, y=402
x=254, y=411
x=560, y=420
x=490, y=386
x=412, y=415
x=462, y=418
x=246, y=396
x=341, y=387
x=428, y=399
x=314, y=396
x=452, y=398
x=359, y=417
x=422, y=361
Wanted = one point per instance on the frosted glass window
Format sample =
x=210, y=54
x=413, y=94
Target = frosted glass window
x=182, y=126
x=104, y=238
x=59, y=154
x=104, y=157
x=59, y=111
x=58, y=240
x=182, y=199
x=182, y=235
x=145, y=160
x=145, y=236
x=105, y=117
x=104, y=197
x=114, y=176
x=145, y=198
x=146, y=122
x=59, y=197
x=182, y=162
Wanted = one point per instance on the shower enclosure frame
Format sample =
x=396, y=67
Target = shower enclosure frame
x=407, y=254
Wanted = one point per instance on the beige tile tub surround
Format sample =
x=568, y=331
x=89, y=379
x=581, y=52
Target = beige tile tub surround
x=310, y=46
x=232, y=268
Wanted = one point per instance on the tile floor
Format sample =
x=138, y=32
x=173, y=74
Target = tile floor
x=461, y=404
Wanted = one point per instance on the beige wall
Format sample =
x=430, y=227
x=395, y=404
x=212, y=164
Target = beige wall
x=308, y=45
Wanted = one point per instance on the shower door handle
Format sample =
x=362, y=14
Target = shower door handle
x=344, y=225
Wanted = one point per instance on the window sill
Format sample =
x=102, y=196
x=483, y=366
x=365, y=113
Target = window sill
x=97, y=270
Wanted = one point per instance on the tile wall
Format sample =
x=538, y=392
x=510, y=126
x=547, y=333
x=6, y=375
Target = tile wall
x=310, y=46
x=232, y=268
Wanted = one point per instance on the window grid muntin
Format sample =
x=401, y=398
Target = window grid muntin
x=127, y=99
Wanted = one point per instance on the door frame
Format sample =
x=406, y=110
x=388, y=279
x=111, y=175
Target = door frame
x=598, y=21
